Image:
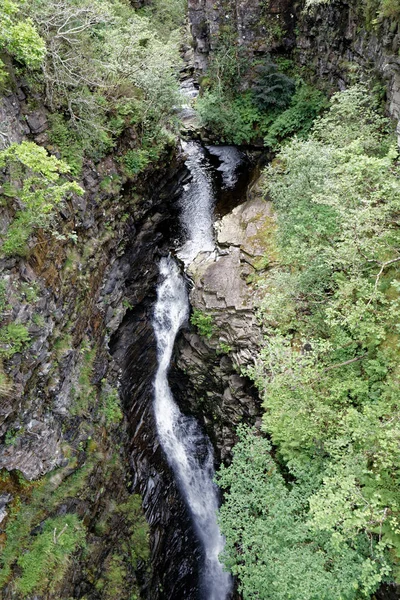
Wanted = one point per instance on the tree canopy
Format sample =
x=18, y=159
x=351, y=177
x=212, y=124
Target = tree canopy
x=329, y=369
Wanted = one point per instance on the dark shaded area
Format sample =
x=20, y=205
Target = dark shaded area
x=174, y=550
x=176, y=556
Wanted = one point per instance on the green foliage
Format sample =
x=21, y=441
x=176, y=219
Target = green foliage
x=165, y=15
x=229, y=63
x=42, y=498
x=240, y=120
x=132, y=547
x=271, y=544
x=135, y=161
x=36, y=187
x=47, y=559
x=112, y=583
x=231, y=121
x=111, y=406
x=19, y=37
x=138, y=529
x=41, y=541
x=14, y=337
x=224, y=348
x=271, y=88
x=84, y=394
x=67, y=141
x=29, y=292
x=329, y=369
x=11, y=437
x=374, y=10
x=102, y=56
x=203, y=322
x=271, y=108
x=3, y=297
x=306, y=104
x=390, y=9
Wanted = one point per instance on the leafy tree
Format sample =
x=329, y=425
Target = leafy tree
x=106, y=68
x=271, y=88
x=19, y=37
x=35, y=187
x=271, y=544
x=305, y=106
x=329, y=369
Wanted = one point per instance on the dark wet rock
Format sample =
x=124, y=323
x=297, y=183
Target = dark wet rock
x=13, y=127
x=37, y=121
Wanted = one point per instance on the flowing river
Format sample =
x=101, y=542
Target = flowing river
x=186, y=447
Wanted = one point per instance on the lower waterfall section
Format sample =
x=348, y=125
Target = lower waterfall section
x=187, y=449
x=177, y=207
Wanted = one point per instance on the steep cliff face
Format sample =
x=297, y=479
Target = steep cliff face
x=225, y=293
x=331, y=42
x=259, y=26
x=66, y=446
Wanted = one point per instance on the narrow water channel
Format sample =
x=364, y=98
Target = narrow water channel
x=186, y=447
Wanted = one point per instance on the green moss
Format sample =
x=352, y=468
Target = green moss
x=14, y=338
x=46, y=561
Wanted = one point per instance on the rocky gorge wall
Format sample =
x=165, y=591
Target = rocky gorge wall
x=333, y=43
x=88, y=305
x=86, y=296
x=61, y=427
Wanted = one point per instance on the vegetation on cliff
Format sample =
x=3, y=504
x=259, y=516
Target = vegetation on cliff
x=328, y=373
x=102, y=77
x=375, y=10
x=249, y=99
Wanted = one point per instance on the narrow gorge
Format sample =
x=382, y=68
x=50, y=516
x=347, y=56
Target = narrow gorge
x=199, y=300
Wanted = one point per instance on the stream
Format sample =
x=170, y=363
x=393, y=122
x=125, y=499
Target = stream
x=188, y=450
x=172, y=460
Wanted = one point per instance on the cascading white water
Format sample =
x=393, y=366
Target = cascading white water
x=231, y=158
x=187, y=449
x=197, y=205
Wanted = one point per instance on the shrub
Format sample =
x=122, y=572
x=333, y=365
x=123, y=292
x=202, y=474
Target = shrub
x=135, y=161
x=271, y=88
x=47, y=559
x=203, y=322
x=298, y=118
x=111, y=406
x=35, y=183
x=62, y=135
x=14, y=337
x=328, y=371
x=19, y=37
x=231, y=120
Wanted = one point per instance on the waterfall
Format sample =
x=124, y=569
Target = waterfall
x=187, y=449
x=197, y=205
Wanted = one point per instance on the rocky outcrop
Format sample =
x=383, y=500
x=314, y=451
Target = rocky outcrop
x=335, y=42
x=225, y=293
x=93, y=281
x=174, y=551
x=259, y=26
